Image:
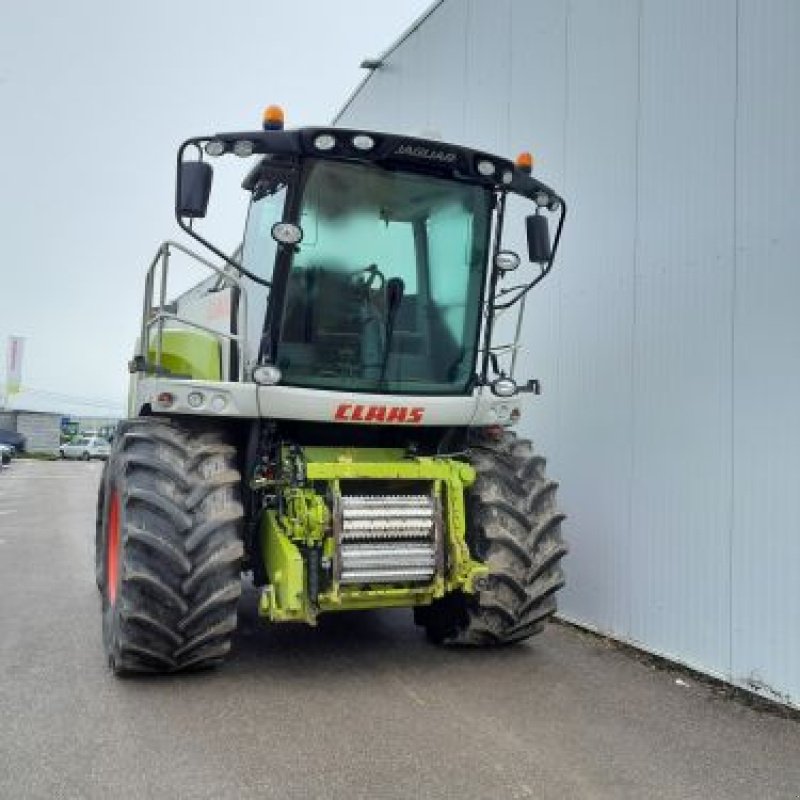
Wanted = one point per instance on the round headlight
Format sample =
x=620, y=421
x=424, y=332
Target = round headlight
x=504, y=387
x=363, y=142
x=267, y=375
x=542, y=199
x=506, y=261
x=486, y=168
x=507, y=176
x=215, y=147
x=287, y=233
x=243, y=148
x=324, y=142
x=195, y=399
x=218, y=403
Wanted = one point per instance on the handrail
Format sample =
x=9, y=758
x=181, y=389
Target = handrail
x=512, y=347
x=159, y=316
x=151, y=317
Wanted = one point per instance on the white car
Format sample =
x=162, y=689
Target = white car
x=86, y=447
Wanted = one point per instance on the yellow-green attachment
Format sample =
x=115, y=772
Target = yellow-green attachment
x=284, y=600
x=189, y=354
x=305, y=525
x=306, y=517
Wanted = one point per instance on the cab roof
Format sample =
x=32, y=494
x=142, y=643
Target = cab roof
x=392, y=151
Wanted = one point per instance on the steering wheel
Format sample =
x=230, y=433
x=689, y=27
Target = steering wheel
x=369, y=278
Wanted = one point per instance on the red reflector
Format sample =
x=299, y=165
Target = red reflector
x=493, y=432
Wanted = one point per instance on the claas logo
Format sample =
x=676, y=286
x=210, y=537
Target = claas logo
x=348, y=412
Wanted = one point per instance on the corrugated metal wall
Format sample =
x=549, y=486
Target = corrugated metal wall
x=669, y=340
x=41, y=431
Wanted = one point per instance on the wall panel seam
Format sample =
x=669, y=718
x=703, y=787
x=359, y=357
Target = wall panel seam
x=735, y=200
x=634, y=288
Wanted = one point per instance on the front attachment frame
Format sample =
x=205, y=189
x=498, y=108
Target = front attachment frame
x=304, y=523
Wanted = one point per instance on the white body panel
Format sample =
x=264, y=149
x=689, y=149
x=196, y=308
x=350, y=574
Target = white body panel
x=288, y=402
x=247, y=400
x=236, y=399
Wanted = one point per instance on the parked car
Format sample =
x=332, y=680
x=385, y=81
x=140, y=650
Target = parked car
x=6, y=452
x=85, y=448
x=13, y=439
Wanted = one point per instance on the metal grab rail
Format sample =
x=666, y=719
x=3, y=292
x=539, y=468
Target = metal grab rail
x=157, y=318
x=512, y=347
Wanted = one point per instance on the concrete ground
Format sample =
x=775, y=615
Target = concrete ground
x=361, y=707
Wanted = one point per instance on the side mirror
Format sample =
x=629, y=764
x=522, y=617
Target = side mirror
x=539, y=250
x=194, y=189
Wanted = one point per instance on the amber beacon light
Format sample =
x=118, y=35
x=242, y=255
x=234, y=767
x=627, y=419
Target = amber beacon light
x=273, y=118
x=525, y=162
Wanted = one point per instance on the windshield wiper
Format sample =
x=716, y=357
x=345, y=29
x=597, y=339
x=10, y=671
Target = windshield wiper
x=394, y=296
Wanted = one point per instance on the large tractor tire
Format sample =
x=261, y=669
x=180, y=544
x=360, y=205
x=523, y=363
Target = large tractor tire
x=514, y=527
x=170, y=543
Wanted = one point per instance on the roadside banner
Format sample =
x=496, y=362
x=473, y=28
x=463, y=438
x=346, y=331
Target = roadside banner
x=14, y=350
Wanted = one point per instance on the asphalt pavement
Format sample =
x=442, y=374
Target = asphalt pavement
x=360, y=707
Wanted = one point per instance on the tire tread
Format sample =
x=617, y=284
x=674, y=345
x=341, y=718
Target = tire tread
x=514, y=527
x=181, y=547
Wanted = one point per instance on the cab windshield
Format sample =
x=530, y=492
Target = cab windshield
x=384, y=291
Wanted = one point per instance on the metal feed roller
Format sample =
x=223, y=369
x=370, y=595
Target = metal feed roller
x=387, y=539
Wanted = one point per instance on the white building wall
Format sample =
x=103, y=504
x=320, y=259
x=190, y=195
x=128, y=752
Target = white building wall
x=42, y=431
x=668, y=339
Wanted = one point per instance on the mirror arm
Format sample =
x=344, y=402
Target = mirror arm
x=544, y=273
x=196, y=142
x=510, y=289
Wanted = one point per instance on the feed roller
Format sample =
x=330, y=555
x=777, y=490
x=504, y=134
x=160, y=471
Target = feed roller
x=387, y=539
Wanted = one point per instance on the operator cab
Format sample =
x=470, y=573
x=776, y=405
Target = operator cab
x=371, y=261
x=384, y=289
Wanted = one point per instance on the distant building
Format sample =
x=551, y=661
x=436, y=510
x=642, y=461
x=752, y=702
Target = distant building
x=41, y=429
x=100, y=426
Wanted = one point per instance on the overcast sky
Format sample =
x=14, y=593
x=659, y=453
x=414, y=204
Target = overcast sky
x=94, y=99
